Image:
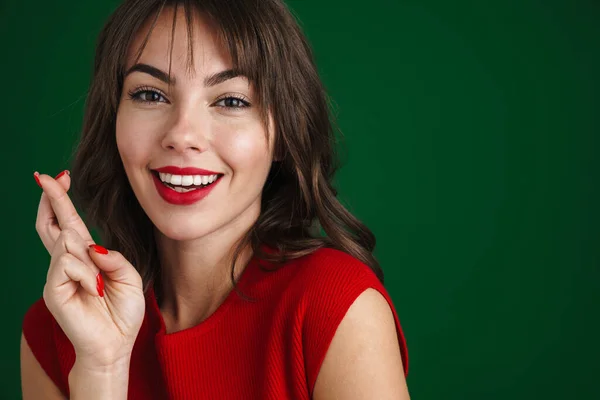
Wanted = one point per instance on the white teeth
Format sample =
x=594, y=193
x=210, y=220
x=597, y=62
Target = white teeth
x=175, y=179
x=187, y=180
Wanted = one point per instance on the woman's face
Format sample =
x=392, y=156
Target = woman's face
x=194, y=124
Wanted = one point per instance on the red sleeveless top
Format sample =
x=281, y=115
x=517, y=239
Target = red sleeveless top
x=268, y=349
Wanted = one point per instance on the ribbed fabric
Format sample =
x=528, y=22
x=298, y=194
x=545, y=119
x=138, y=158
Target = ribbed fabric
x=268, y=349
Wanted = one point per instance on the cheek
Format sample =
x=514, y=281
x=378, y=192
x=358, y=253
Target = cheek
x=245, y=150
x=133, y=138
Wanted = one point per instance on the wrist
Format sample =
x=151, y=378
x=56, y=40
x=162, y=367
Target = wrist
x=88, y=381
x=97, y=368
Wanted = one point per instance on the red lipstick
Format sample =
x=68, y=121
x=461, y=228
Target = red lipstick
x=173, y=197
x=170, y=169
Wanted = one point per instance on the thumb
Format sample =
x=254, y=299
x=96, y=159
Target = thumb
x=115, y=266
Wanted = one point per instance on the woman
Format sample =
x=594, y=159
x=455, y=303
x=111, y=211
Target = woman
x=206, y=162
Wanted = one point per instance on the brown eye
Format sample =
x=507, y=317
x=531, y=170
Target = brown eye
x=233, y=102
x=147, y=96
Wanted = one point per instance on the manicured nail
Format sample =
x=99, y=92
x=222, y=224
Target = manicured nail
x=62, y=173
x=37, y=179
x=100, y=284
x=98, y=249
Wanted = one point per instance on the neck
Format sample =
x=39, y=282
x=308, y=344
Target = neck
x=195, y=276
x=193, y=283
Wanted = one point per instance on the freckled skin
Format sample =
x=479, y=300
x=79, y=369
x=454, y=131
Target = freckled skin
x=190, y=125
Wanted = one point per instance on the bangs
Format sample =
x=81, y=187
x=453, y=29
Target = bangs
x=234, y=24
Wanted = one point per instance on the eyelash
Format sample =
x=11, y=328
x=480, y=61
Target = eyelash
x=135, y=96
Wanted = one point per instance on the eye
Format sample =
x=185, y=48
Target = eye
x=234, y=102
x=147, y=95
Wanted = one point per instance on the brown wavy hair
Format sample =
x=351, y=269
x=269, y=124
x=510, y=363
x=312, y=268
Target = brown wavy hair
x=300, y=212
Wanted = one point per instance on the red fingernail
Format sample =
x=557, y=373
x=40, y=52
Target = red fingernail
x=100, y=284
x=62, y=173
x=98, y=249
x=37, y=180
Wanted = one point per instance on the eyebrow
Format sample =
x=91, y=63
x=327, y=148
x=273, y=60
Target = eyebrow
x=210, y=80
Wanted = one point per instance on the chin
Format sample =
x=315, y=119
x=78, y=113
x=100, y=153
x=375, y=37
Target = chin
x=183, y=230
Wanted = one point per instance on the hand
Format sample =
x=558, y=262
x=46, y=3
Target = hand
x=47, y=223
x=103, y=328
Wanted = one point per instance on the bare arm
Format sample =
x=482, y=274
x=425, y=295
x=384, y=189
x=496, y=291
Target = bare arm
x=35, y=383
x=84, y=383
x=363, y=361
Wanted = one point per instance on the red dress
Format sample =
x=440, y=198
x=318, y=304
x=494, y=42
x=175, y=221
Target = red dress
x=269, y=349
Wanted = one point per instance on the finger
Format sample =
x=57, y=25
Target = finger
x=46, y=223
x=64, y=178
x=74, y=244
x=66, y=271
x=63, y=208
x=70, y=242
x=115, y=266
x=66, y=265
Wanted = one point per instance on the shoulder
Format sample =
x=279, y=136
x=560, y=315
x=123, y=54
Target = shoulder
x=315, y=277
x=333, y=269
x=333, y=277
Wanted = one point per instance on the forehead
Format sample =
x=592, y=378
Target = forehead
x=209, y=54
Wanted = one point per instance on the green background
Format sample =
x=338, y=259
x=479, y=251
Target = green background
x=471, y=138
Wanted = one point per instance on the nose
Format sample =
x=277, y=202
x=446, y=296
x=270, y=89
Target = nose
x=186, y=133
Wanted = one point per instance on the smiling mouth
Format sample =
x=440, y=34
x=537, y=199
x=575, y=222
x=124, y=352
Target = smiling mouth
x=166, y=180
